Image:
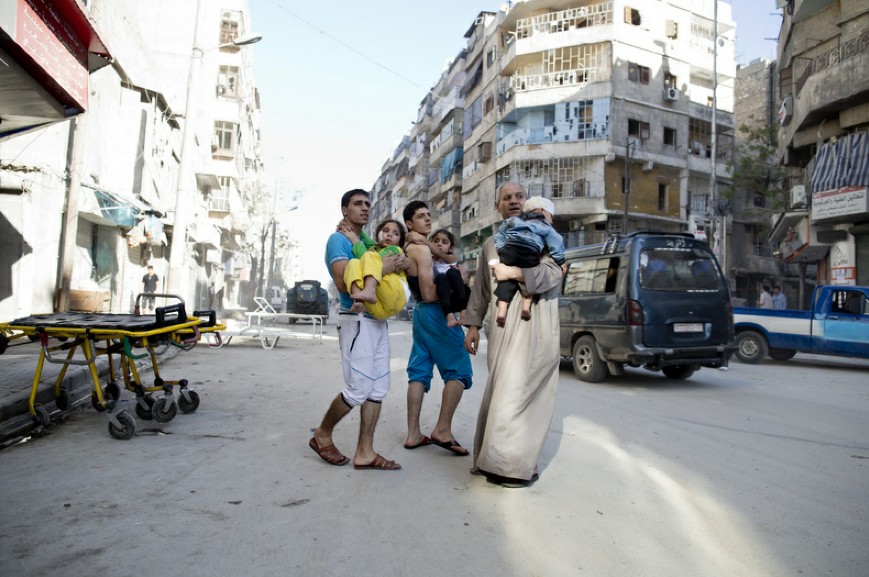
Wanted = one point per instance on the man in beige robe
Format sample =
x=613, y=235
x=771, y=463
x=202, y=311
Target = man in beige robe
x=523, y=358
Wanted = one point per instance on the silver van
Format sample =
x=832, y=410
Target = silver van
x=647, y=299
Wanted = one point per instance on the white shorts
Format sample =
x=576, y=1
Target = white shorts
x=365, y=357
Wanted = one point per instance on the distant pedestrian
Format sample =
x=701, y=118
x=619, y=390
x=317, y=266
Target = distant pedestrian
x=779, y=300
x=149, y=287
x=765, y=298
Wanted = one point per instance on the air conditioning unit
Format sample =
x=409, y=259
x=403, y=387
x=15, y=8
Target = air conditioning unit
x=215, y=142
x=672, y=94
x=798, y=196
x=649, y=166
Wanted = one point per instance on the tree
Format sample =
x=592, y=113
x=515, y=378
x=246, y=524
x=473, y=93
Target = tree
x=756, y=172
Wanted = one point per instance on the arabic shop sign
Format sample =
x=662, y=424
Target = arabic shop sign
x=845, y=201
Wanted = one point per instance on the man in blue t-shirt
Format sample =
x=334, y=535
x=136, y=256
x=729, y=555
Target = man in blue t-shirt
x=364, y=343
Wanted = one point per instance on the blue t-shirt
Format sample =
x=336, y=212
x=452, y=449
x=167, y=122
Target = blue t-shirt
x=338, y=248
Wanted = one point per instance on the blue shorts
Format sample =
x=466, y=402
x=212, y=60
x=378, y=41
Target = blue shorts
x=435, y=343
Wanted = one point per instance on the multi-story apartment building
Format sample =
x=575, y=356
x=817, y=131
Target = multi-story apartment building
x=101, y=193
x=604, y=107
x=823, y=57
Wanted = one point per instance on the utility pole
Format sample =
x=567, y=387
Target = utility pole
x=272, y=256
x=628, y=148
x=183, y=191
x=69, y=225
x=719, y=220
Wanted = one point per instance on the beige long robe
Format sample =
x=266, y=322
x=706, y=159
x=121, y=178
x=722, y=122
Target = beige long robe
x=523, y=359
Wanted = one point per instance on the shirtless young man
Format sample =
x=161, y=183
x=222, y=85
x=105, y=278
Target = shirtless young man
x=434, y=343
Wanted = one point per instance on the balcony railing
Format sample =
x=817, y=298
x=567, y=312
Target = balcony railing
x=851, y=48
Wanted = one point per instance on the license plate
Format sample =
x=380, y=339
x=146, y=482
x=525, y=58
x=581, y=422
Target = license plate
x=688, y=327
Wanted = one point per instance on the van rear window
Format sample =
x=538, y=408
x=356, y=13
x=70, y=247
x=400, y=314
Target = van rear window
x=678, y=269
x=591, y=276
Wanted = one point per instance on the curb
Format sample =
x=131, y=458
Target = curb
x=16, y=420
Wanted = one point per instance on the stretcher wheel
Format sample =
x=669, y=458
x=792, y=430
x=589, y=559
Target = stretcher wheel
x=113, y=390
x=127, y=429
x=42, y=416
x=62, y=400
x=164, y=410
x=145, y=412
x=188, y=401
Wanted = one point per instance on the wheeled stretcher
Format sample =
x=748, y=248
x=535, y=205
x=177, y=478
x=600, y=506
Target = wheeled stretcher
x=127, y=337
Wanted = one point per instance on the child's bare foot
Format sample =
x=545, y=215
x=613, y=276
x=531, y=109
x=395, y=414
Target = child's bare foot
x=502, y=313
x=526, y=308
x=365, y=295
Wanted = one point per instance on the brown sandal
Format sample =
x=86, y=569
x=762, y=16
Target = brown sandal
x=380, y=463
x=329, y=453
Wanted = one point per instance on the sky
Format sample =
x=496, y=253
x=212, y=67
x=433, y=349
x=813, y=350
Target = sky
x=340, y=83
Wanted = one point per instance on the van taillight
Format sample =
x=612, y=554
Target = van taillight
x=634, y=313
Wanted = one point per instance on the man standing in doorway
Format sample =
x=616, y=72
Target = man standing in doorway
x=434, y=342
x=364, y=343
x=779, y=300
x=523, y=358
x=149, y=287
x=765, y=298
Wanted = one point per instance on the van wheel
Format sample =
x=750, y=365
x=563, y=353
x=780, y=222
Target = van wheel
x=781, y=354
x=678, y=371
x=751, y=347
x=587, y=365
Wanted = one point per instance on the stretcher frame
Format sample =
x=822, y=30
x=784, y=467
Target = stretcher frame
x=171, y=327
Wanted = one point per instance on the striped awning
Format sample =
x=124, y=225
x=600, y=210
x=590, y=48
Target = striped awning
x=843, y=162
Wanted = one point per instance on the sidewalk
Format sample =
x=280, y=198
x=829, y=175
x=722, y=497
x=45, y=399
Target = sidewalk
x=17, y=369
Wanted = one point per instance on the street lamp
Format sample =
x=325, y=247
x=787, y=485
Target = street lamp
x=177, y=273
x=243, y=40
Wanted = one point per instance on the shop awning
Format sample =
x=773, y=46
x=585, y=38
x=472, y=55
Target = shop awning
x=809, y=254
x=48, y=48
x=108, y=208
x=843, y=162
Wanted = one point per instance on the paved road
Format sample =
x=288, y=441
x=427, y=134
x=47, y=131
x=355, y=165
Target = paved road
x=758, y=471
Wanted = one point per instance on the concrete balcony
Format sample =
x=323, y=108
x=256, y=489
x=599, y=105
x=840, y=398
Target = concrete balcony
x=760, y=265
x=579, y=206
x=447, y=218
x=832, y=82
x=443, y=145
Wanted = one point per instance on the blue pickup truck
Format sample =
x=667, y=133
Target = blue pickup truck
x=837, y=324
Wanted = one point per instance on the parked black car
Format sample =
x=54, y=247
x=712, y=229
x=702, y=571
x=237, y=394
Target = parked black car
x=307, y=297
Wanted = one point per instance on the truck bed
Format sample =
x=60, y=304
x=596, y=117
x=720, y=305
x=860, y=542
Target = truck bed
x=785, y=329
